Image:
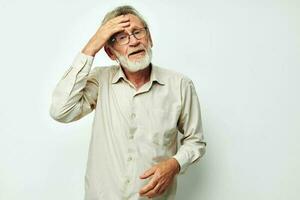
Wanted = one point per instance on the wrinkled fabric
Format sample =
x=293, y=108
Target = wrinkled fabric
x=132, y=129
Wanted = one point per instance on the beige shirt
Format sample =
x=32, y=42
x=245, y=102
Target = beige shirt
x=132, y=129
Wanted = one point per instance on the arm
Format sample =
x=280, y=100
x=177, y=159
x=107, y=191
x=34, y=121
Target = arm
x=76, y=93
x=189, y=124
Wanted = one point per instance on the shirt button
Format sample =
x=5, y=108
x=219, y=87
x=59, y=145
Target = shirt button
x=132, y=115
x=132, y=129
x=127, y=181
x=129, y=158
x=131, y=137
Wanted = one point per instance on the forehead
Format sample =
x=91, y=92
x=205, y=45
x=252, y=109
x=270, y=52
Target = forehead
x=135, y=22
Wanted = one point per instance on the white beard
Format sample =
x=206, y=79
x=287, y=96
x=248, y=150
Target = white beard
x=139, y=64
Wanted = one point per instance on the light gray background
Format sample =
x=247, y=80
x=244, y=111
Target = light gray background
x=243, y=57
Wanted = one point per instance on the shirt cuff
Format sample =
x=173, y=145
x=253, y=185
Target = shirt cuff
x=183, y=162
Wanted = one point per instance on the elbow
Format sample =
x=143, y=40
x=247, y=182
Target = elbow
x=202, y=148
x=200, y=151
x=58, y=116
x=54, y=115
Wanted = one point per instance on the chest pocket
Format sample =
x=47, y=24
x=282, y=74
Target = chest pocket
x=162, y=127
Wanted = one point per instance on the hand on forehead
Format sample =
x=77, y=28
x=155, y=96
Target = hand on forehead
x=134, y=22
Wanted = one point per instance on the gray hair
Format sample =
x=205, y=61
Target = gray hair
x=123, y=10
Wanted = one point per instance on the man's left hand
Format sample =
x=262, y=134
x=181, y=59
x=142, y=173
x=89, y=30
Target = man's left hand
x=163, y=174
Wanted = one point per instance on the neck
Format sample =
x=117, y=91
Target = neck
x=138, y=78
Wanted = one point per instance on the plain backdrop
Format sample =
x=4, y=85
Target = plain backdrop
x=242, y=55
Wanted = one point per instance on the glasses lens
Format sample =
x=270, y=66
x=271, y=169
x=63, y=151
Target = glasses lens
x=122, y=38
x=139, y=34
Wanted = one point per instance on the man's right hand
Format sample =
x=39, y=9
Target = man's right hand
x=105, y=31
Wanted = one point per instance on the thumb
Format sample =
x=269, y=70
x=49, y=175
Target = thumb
x=148, y=173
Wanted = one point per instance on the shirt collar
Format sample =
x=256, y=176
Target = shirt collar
x=154, y=75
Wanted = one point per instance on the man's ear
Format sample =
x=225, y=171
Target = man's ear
x=109, y=52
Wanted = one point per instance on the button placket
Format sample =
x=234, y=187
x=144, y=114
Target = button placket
x=131, y=148
x=132, y=119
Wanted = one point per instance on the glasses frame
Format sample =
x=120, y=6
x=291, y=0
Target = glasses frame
x=114, y=41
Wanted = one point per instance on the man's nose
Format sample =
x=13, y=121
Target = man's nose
x=133, y=41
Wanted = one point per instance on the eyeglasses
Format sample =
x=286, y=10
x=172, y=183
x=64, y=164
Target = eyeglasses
x=123, y=38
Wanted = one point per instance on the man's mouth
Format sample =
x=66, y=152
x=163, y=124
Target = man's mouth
x=136, y=52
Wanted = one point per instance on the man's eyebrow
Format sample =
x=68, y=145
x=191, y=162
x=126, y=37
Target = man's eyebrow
x=134, y=28
x=137, y=27
x=131, y=30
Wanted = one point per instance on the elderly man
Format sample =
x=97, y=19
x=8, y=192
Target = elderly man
x=139, y=109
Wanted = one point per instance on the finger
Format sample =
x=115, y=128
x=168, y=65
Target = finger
x=124, y=24
x=121, y=18
x=117, y=30
x=126, y=19
x=161, y=189
x=114, y=22
x=119, y=27
x=149, y=186
x=119, y=21
x=148, y=173
x=154, y=192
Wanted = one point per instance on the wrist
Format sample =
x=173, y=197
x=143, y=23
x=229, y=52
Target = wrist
x=177, y=165
x=93, y=46
x=88, y=52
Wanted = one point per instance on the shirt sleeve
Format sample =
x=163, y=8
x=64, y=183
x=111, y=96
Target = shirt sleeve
x=75, y=95
x=192, y=144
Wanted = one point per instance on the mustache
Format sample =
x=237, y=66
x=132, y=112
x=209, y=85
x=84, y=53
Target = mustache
x=135, y=51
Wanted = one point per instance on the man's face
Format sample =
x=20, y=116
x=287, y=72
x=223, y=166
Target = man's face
x=135, y=55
